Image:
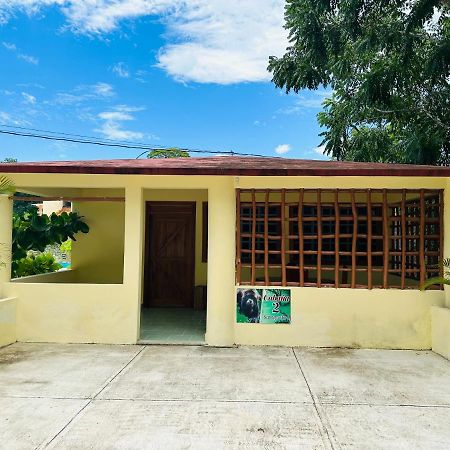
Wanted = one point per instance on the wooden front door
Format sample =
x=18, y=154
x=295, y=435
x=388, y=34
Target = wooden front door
x=170, y=255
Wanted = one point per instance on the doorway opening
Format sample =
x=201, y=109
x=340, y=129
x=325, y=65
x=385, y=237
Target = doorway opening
x=174, y=300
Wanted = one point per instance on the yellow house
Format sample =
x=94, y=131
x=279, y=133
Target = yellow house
x=258, y=251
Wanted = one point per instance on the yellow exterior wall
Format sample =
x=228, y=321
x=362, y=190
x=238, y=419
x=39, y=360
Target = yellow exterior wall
x=97, y=257
x=323, y=317
x=8, y=321
x=328, y=317
x=49, y=312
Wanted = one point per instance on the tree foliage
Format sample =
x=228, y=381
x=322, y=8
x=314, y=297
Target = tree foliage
x=387, y=62
x=35, y=265
x=161, y=153
x=6, y=186
x=34, y=232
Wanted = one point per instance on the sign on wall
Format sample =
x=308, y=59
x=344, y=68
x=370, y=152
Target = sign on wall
x=263, y=306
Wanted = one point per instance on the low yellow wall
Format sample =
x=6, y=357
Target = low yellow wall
x=63, y=276
x=7, y=321
x=440, y=330
x=323, y=317
x=53, y=312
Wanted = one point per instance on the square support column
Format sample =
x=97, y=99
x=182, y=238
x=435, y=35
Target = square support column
x=133, y=249
x=221, y=266
x=6, y=211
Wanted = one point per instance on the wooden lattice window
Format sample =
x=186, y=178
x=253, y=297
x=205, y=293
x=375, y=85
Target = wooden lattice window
x=357, y=238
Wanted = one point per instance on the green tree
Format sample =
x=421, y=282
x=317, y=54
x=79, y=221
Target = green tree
x=161, y=153
x=34, y=232
x=387, y=62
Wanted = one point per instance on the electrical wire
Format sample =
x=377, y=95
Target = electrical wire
x=66, y=137
x=95, y=138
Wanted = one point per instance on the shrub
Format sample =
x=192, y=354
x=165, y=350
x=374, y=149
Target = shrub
x=35, y=265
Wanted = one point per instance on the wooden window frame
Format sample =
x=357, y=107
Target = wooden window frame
x=204, y=232
x=354, y=238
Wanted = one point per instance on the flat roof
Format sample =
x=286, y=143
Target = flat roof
x=226, y=165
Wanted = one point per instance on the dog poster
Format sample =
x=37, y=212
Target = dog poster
x=263, y=306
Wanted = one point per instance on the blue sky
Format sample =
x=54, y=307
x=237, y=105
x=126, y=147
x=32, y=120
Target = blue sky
x=176, y=73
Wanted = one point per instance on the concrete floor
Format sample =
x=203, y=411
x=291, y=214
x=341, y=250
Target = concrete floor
x=172, y=326
x=179, y=397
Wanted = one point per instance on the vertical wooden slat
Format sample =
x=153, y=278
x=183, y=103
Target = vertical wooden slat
x=283, y=238
x=238, y=238
x=319, y=238
x=266, y=239
x=422, y=237
x=354, y=237
x=300, y=238
x=253, y=268
x=403, y=222
x=337, y=231
x=386, y=240
x=369, y=239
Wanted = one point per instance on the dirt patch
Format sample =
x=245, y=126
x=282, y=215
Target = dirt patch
x=13, y=356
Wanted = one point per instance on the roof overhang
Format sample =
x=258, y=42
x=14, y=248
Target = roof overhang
x=231, y=166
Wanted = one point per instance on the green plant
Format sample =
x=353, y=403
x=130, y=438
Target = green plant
x=161, y=153
x=444, y=268
x=66, y=247
x=6, y=186
x=35, y=265
x=34, y=232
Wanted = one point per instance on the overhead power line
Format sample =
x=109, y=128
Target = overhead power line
x=71, y=135
x=80, y=139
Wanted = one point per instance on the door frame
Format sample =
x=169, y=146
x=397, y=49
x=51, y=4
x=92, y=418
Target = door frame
x=147, y=262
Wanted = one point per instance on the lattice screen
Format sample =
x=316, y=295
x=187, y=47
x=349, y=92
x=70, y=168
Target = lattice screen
x=357, y=238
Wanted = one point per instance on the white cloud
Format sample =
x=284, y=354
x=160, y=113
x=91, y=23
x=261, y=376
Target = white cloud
x=226, y=41
x=319, y=150
x=28, y=98
x=121, y=70
x=282, y=149
x=115, y=115
x=28, y=58
x=312, y=100
x=83, y=93
x=8, y=119
x=102, y=89
x=112, y=127
x=9, y=46
x=13, y=48
x=113, y=130
x=221, y=41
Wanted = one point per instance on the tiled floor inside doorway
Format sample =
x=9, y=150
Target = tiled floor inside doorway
x=173, y=326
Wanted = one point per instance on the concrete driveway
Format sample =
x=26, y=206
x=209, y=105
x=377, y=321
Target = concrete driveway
x=136, y=397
